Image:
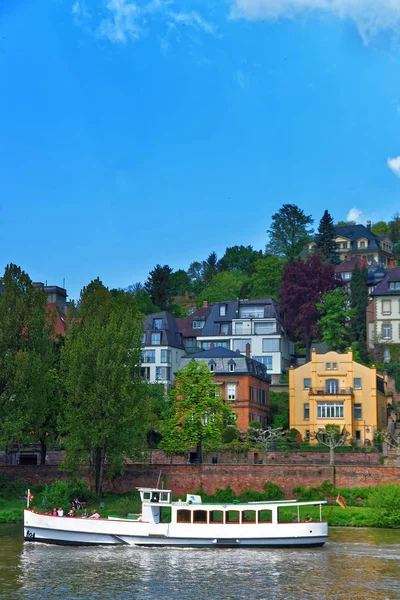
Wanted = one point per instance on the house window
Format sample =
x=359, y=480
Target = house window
x=211, y=365
x=362, y=245
x=265, y=360
x=222, y=310
x=251, y=312
x=332, y=386
x=265, y=327
x=224, y=328
x=386, y=307
x=346, y=276
x=358, y=434
x=165, y=356
x=394, y=285
x=157, y=323
x=330, y=410
x=155, y=339
x=357, y=383
x=196, y=324
x=145, y=373
x=334, y=366
x=231, y=391
x=216, y=344
x=306, y=412
x=386, y=355
x=270, y=345
x=370, y=258
x=241, y=344
x=149, y=356
x=307, y=383
x=232, y=366
x=143, y=340
x=386, y=331
x=163, y=373
x=357, y=412
x=328, y=366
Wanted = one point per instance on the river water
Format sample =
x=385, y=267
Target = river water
x=355, y=564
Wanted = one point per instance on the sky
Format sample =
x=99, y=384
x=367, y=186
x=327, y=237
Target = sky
x=137, y=132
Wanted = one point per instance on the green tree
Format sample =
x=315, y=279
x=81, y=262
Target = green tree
x=279, y=410
x=240, y=258
x=381, y=228
x=226, y=285
x=104, y=417
x=359, y=304
x=289, y=233
x=198, y=415
x=345, y=223
x=335, y=319
x=195, y=272
x=29, y=352
x=179, y=283
x=211, y=266
x=158, y=286
x=266, y=280
x=325, y=244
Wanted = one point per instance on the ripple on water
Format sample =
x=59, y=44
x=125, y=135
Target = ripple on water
x=355, y=564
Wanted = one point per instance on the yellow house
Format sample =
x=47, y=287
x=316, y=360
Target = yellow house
x=334, y=389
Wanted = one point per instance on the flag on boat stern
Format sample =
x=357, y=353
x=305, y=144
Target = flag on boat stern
x=341, y=501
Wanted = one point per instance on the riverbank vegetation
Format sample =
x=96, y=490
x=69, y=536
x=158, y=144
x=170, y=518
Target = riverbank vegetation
x=366, y=507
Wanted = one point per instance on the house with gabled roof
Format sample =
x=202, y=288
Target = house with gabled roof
x=243, y=382
x=383, y=315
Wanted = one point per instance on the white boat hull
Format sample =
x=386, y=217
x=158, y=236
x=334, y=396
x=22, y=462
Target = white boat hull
x=77, y=531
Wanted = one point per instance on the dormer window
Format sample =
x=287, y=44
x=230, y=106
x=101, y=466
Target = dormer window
x=222, y=310
x=211, y=366
x=231, y=366
x=198, y=324
x=362, y=244
x=394, y=285
x=157, y=323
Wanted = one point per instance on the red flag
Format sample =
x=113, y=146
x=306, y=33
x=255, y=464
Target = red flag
x=341, y=501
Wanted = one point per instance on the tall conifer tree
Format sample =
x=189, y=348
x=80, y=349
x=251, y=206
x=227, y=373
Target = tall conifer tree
x=359, y=303
x=325, y=244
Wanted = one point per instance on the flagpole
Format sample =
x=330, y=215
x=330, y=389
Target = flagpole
x=28, y=496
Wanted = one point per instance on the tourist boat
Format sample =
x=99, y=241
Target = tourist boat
x=189, y=523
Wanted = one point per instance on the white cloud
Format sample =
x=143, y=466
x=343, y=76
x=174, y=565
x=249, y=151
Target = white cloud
x=121, y=21
x=370, y=16
x=394, y=165
x=354, y=214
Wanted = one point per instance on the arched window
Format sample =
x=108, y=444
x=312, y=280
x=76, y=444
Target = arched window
x=332, y=386
x=211, y=365
x=199, y=516
x=231, y=365
x=184, y=516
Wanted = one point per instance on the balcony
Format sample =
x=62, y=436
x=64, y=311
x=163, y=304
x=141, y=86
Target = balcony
x=338, y=392
x=193, y=349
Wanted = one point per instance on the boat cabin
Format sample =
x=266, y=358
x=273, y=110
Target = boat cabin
x=155, y=496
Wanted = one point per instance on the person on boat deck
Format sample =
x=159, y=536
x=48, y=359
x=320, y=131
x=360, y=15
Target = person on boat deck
x=308, y=519
x=295, y=519
x=85, y=514
x=155, y=497
x=94, y=515
x=72, y=512
x=60, y=512
x=76, y=504
x=55, y=512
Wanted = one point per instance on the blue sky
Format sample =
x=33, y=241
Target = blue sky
x=155, y=131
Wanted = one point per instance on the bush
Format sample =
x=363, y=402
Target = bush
x=385, y=499
x=273, y=491
x=61, y=493
x=10, y=490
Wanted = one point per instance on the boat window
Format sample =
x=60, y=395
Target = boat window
x=232, y=516
x=165, y=516
x=164, y=497
x=265, y=516
x=216, y=516
x=249, y=516
x=199, y=516
x=146, y=495
x=184, y=516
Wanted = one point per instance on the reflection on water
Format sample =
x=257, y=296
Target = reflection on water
x=355, y=564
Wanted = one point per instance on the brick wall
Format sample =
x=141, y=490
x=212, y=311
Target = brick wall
x=186, y=478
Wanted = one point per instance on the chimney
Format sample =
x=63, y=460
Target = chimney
x=212, y=346
x=248, y=349
x=369, y=225
x=205, y=303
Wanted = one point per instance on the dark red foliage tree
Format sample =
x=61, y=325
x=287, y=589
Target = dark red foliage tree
x=303, y=285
